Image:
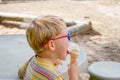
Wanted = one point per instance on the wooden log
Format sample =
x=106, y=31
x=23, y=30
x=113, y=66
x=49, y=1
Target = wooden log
x=16, y=20
x=19, y=24
x=23, y=18
x=79, y=28
x=16, y=17
x=23, y=21
x=22, y=25
x=11, y=24
x=70, y=23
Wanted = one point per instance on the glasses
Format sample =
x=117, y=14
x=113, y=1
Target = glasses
x=66, y=36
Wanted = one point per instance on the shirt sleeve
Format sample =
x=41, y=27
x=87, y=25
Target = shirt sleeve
x=22, y=70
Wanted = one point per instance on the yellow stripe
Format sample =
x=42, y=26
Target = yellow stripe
x=37, y=74
x=46, y=65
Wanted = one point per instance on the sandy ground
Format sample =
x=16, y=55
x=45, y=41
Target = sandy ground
x=101, y=44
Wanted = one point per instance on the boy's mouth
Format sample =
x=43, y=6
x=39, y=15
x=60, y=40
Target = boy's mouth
x=68, y=52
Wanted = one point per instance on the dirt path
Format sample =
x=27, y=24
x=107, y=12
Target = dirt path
x=103, y=15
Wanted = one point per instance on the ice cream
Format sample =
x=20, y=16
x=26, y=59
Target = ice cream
x=74, y=54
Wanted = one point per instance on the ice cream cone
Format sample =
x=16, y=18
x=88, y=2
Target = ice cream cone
x=74, y=54
x=73, y=58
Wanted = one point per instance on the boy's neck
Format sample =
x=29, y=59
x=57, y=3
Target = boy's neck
x=47, y=57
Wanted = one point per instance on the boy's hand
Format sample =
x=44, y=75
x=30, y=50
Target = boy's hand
x=58, y=62
x=73, y=71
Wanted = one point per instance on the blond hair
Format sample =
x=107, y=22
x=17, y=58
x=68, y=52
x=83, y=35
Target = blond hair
x=43, y=29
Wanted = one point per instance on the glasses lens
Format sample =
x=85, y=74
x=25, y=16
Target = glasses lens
x=69, y=36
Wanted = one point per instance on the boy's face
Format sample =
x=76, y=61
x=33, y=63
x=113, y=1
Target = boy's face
x=61, y=45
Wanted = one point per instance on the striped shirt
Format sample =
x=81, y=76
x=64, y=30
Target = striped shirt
x=41, y=70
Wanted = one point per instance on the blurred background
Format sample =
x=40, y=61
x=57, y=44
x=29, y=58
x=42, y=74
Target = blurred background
x=101, y=43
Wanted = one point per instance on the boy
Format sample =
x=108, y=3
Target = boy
x=48, y=37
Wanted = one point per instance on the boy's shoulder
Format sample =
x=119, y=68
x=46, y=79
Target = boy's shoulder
x=44, y=69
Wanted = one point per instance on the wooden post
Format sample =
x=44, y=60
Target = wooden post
x=79, y=28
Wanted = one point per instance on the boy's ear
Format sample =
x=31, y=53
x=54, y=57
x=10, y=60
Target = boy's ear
x=51, y=45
